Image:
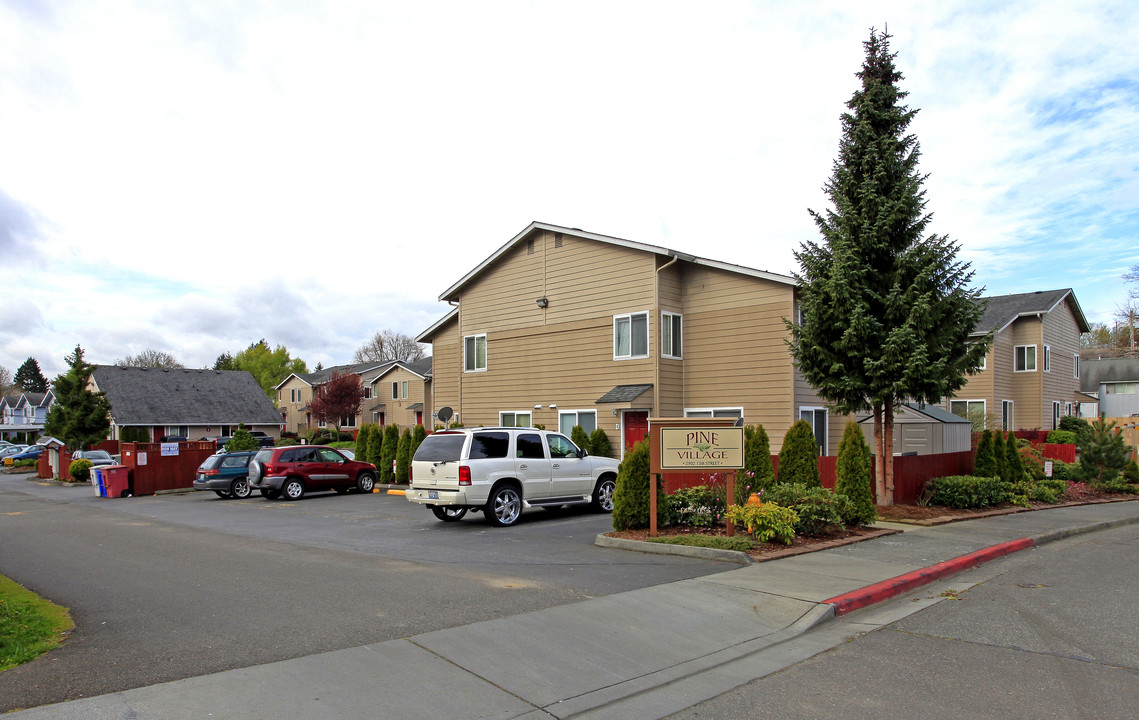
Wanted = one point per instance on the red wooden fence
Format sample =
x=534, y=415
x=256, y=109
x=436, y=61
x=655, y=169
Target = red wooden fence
x=151, y=471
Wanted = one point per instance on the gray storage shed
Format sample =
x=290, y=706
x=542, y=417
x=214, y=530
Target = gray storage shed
x=921, y=429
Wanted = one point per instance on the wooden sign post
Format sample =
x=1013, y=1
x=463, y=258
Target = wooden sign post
x=694, y=445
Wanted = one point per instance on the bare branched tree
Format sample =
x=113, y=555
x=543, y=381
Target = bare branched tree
x=389, y=345
x=7, y=386
x=150, y=359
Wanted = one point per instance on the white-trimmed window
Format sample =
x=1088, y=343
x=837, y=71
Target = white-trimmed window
x=817, y=417
x=178, y=430
x=567, y=419
x=671, y=333
x=395, y=391
x=631, y=336
x=1076, y=365
x=971, y=410
x=348, y=421
x=515, y=419
x=1006, y=415
x=1024, y=358
x=1056, y=415
x=474, y=353
x=732, y=412
x=1048, y=359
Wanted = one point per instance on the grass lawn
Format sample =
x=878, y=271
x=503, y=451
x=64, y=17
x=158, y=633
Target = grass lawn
x=29, y=625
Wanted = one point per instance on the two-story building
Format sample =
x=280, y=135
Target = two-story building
x=24, y=415
x=393, y=391
x=561, y=327
x=1031, y=375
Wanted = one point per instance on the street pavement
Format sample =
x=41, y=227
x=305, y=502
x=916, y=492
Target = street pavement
x=644, y=653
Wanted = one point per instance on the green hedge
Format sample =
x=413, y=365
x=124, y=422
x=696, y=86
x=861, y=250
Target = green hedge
x=965, y=491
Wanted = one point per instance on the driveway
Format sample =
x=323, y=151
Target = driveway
x=180, y=585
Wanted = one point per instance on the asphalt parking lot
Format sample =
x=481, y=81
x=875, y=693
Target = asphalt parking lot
x=185, y=584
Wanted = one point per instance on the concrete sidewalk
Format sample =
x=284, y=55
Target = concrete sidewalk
x=640, y=654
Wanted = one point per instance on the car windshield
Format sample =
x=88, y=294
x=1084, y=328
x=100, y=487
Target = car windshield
x=441, y=447
x=100, y=454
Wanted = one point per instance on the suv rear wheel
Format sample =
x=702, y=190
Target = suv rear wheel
x=504, y=506
x=293, y=489
x=448, y=513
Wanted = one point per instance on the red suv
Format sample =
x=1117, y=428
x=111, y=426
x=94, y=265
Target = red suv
x=294, y=470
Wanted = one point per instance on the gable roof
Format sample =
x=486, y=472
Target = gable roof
x=420, y=368
x=427, y=334
x=153, y=396
x=322, y=375
x=1002, y=310
x=451, y=292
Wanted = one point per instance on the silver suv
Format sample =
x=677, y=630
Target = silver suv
x=503, y=470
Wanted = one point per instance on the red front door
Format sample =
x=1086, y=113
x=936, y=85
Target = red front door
x=636, y=427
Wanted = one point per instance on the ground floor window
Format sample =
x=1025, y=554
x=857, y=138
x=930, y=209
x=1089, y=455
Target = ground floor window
x=816, y=417
x=1006, y=415
x=1056, y=415
x=178, y=430
x=514, y=419
x=971, y=410
x=348, y=421
x=567, y=419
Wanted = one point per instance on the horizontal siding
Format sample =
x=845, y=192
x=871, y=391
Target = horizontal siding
x=1061, y=333
x=447, y=361
x=1027, y=386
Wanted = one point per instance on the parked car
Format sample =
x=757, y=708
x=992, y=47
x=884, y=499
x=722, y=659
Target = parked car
x=263, y=439
x=292, y=471
x=30, y=453
x=500, y=471
x=95, y=457
x=172, y=438
x=225, y=474
x=12, y=450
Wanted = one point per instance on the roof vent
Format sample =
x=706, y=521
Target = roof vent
x=557, y=240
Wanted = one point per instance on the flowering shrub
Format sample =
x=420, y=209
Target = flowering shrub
x=765, y=521
x=699, y=506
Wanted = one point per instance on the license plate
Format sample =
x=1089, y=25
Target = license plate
x=432, y=494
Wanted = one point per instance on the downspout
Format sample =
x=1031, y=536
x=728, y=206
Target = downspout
x=462, y=375
x=657, y=311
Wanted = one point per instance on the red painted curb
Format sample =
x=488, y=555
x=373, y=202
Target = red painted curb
x=887, y=589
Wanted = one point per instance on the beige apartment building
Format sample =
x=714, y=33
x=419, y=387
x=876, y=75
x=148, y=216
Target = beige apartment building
x=561, y=327
x=378, y=405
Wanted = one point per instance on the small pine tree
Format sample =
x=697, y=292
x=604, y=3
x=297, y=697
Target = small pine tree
x=1103, y=457
x=999, y=454
x=403, y=457
x=241, y=440
x=631, y=496
x=1131, y=472
x=78, y=416
x=799, y=456
x=417, y=436
x=1014, y=464
x=599, y=443
x=579, y=437
x=853, y=479
x=984, y=461
x=757, y=458
x=375, y=446
x=388, y=452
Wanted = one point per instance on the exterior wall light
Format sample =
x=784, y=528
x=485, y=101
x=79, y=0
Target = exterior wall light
x=543, y=303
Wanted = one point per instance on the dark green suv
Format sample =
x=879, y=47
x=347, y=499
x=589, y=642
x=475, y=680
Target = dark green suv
x=226, y=474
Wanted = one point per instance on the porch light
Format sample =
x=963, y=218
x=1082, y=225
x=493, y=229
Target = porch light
x=543, y=303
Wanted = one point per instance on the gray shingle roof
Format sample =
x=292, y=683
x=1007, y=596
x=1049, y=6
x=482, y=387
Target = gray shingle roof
x=152, y=396
x=623, y=393
x=1108, y=370
x=1003, y=309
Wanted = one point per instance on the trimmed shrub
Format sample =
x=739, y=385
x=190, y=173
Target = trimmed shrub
x=817, y=508
x=80, y=470
x=1032, y=460
x=599, y=443
x=699, y=506
x=241, y=440
x=285, y=442
x=766, y=521
x=853, y=479
x=387, y=454
x=964, y=491
x=403, y=457
x=1058, y=437
x=375, y=446
x=1049, y=490
x=984, y=461
x=799, y=456
x=1013, y=471
x=1080, y=427
x=1062, y=470
x=758, y=471
x=631, y=496
x=363, y=441
x=579, y=437
x=417, y=436
x=134, y=434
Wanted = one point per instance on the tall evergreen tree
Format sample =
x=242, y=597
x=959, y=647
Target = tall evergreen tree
x=885, y=311
x=417, y=436
x=363, y=438
x=29, y=378
x=757, y=459
x=799, y=456
x=388, y=452
x=1013, y=470
x=78, y=416
x=403, y=456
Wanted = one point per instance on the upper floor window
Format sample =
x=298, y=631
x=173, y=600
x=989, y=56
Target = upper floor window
x=670, y=335
x=399, y=389
x=1075, y=366
x=1047, y=358
x=630, y=336
x=474, y=353
x=1024, y=358
x=725, y=412
x=367, y=391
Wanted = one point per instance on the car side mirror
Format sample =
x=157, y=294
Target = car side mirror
x=582, y=452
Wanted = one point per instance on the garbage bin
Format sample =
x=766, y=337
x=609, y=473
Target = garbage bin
x=98, y=482
x=117, y=480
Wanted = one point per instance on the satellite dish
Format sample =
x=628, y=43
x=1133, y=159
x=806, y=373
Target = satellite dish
x=444, y=414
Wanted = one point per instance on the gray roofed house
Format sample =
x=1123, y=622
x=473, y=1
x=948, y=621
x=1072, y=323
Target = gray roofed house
x=1003, y=310
x=1114, y=382
x=193, y=403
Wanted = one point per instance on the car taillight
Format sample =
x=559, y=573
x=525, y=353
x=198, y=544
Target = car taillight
x=410, y=475
x=464, y=475
x=208, y=472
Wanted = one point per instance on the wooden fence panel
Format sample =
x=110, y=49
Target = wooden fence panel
x=164, y=472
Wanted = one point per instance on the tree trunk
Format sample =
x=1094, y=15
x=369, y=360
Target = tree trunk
x=888, y=451
x=879, y=461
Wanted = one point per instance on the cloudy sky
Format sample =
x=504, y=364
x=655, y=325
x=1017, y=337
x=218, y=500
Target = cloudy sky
x=194, y=176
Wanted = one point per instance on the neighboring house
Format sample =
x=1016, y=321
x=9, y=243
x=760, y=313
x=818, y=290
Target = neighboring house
x=295, y=392
x=1031, y=375
x=180, y=402
x=25, y=414
x=561, y=327
x=1114, y=384
x=401, y=394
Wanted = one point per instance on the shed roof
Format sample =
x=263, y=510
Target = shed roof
x=1094, y=373
x=154, y=396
